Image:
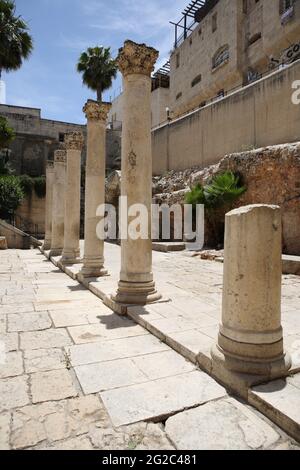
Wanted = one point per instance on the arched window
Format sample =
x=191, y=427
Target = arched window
x=221, y=56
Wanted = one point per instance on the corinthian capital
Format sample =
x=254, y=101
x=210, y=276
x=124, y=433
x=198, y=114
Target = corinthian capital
x=74, y=141
x=96, y=111
x=60, y=156
x=136, y=58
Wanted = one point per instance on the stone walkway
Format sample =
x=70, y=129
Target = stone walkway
x=74, y=375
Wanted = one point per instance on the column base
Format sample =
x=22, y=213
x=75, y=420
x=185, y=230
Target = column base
x=55, y=252
x=267, y=367
x=70, y=257
x=136, y=293
x=92, y=271
x=46, y=245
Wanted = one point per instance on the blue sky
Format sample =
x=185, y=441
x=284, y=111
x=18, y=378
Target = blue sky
x=62, y=29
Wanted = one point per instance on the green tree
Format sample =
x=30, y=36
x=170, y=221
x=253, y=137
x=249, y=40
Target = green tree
x=7, y=134
x=98, y=69
x=15, y=41
x=11, y=196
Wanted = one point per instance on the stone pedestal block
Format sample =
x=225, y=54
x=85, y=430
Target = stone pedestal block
x=250, y=339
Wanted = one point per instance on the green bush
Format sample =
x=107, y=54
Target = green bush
x=7, y=134
x=11, y=195
x=29, y=183
x=40, y=186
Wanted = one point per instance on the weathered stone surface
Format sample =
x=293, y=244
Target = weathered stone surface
x=45, y=339
x=160, y=398
x=39, y=360
x=108, y=375
x=221, y=425
x=4, y=431
x=76, y=443
x=12, y=366
x=141, y=436
x=2, y=323
x=55, y=421
x=113, y=327
x=28, y=321
x=115, y=349
x=164, y=364
x=52, y=385
x=10, y=341
x=13, y=392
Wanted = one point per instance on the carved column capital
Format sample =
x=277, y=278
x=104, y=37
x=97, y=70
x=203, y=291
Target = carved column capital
x=60, y=156
x=74, y=141
x=136, y=58
x=96, y=111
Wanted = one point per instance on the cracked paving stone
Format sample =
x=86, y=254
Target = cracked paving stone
x=45, y=339
x=42, y=360
x=28, y=321
x=225, y=424
x=12, y=366
x=55, y=421
x=4, y=431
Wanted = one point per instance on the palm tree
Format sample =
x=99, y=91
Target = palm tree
x=98, y=69
x=15, y=41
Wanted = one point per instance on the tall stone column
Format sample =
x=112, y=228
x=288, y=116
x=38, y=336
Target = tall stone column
x=251, y=338
x=48, y=208
x=71, y=252
x=96, y=113
x=136, y=62
x=58, y=203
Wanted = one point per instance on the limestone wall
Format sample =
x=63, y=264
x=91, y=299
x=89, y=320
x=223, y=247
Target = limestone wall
x=30, y=215
x=258, y=115
x=271, y=175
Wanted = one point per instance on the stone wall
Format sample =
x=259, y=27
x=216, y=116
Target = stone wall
x=37, y=139
x=30, y=215
x=258, y=115
x=271, y=175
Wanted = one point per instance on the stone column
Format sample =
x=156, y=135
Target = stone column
x=96, y=113
x=58, y=203
x=71, y=252
x=250, y=337
x=48, y=208
x=136, y=62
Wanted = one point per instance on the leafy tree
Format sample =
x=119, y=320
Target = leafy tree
x=11, y=195
x=15, y=41
x=7, y=134
x=98, y=69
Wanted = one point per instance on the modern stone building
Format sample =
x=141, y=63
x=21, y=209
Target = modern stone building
x=38, y=138
x=222, y=45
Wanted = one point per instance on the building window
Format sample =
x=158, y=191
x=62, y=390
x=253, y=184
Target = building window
x=61, y=137
x=221, y=57
x=214, y=22
x=196, y=80
x=177, y=60
x=179, y=95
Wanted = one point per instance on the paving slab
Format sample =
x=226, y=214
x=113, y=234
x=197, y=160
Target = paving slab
x=55, y=421
x=46, y=339
x=280, y=401
x=14, y=392
x=12, y=365
x=42, y=360
x=17, y=322
x=224, y=424
x=4, y=431
x=160, y=398
x=52, y=385
x=115, y=327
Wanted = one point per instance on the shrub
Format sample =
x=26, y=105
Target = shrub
x=40, y=186
x=7, y=134
x=11, y=195
x=27, y=184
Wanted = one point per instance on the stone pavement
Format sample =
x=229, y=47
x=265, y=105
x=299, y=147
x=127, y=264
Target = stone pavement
x=74, y=375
